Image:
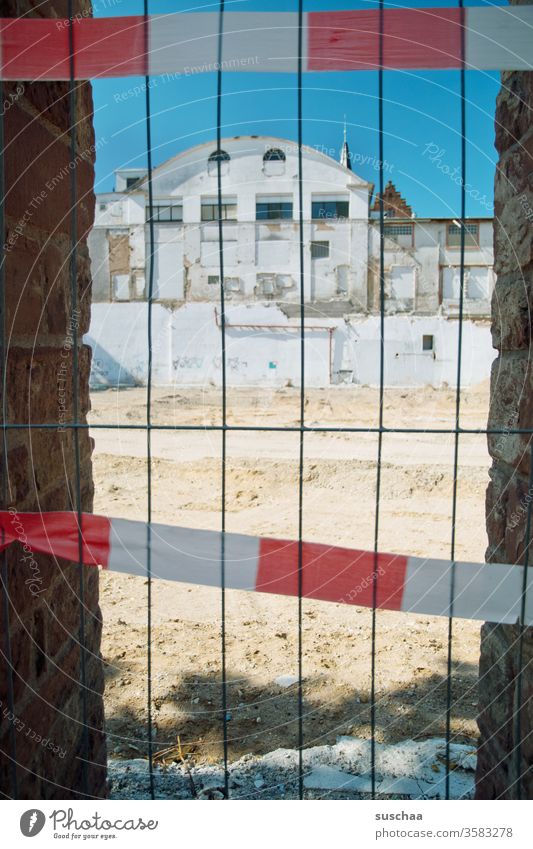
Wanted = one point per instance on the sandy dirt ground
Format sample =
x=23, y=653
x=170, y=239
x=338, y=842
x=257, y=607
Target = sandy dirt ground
x=261, y=631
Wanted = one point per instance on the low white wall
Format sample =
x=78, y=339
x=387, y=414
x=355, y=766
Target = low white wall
x=187, y=348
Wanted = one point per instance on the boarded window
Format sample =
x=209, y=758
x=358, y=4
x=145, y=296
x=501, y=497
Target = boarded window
x=274, y=162
x=218, y=156
x=476, y=283
x=319, y=250
x=231, y=284
x=477, y=287
x=451, y=284
x=402, y=282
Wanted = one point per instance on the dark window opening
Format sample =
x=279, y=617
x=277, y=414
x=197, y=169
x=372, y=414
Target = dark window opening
x=165, y=212
x=427, y=343
x=274, y=155
x=218, y=161
x=330, y=209
x=273, y=210
x=219, y=156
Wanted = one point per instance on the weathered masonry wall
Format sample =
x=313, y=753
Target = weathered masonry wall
x=262, y=344
x=499, y=773
x=44, y=611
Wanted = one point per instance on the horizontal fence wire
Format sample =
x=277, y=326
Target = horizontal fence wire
x=472, y=431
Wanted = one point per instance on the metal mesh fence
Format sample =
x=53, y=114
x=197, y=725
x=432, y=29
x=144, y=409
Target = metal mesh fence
x=223, y=430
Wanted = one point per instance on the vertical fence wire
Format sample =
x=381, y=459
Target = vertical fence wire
x=462, y=221
x=151, y=257
x=75, y=390
x=225, y=428
x=522, y=630
x=381, y=397
x=302, y=403
x=224, y=684
x=8, y=658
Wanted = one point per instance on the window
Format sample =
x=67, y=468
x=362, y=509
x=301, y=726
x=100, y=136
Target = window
x=216, y=157
x=131, y=181
x=102, y=207
x=274, y=155
x=471, y=236
x=427, y=342
x=228, y=209
x=398, y=229
x=219, y=156
x=231, y=284
x=274, y=162
x=319, y=250
x=329, y=209
x=165, y=212
x=273, y=209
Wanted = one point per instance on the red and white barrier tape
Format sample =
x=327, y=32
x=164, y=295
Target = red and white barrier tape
x=495, y=38
x=483, y=591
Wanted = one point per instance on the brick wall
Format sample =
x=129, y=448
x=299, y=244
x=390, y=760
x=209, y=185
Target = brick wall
x=44, y=607
x=511, y=406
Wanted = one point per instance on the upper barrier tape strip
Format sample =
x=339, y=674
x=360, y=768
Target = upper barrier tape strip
x=490, y=592
x=412, y=38
x=496, y=38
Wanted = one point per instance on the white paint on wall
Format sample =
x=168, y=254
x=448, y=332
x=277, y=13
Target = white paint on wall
x=263, y=348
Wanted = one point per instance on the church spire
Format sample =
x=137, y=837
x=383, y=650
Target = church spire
x=345, y=152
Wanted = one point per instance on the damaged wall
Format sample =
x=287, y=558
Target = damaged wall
x=187, y=346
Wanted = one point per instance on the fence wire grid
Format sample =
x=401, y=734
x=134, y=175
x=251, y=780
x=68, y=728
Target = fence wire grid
x=225, y=428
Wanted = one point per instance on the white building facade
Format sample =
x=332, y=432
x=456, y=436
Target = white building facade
x=261, y=259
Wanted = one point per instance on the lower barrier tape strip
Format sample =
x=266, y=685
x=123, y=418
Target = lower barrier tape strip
x=486, y=591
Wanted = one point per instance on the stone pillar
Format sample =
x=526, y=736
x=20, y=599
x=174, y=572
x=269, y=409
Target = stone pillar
x=508, y=496
x=44, y=609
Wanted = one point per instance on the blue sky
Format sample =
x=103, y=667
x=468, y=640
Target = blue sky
x=421, y=115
